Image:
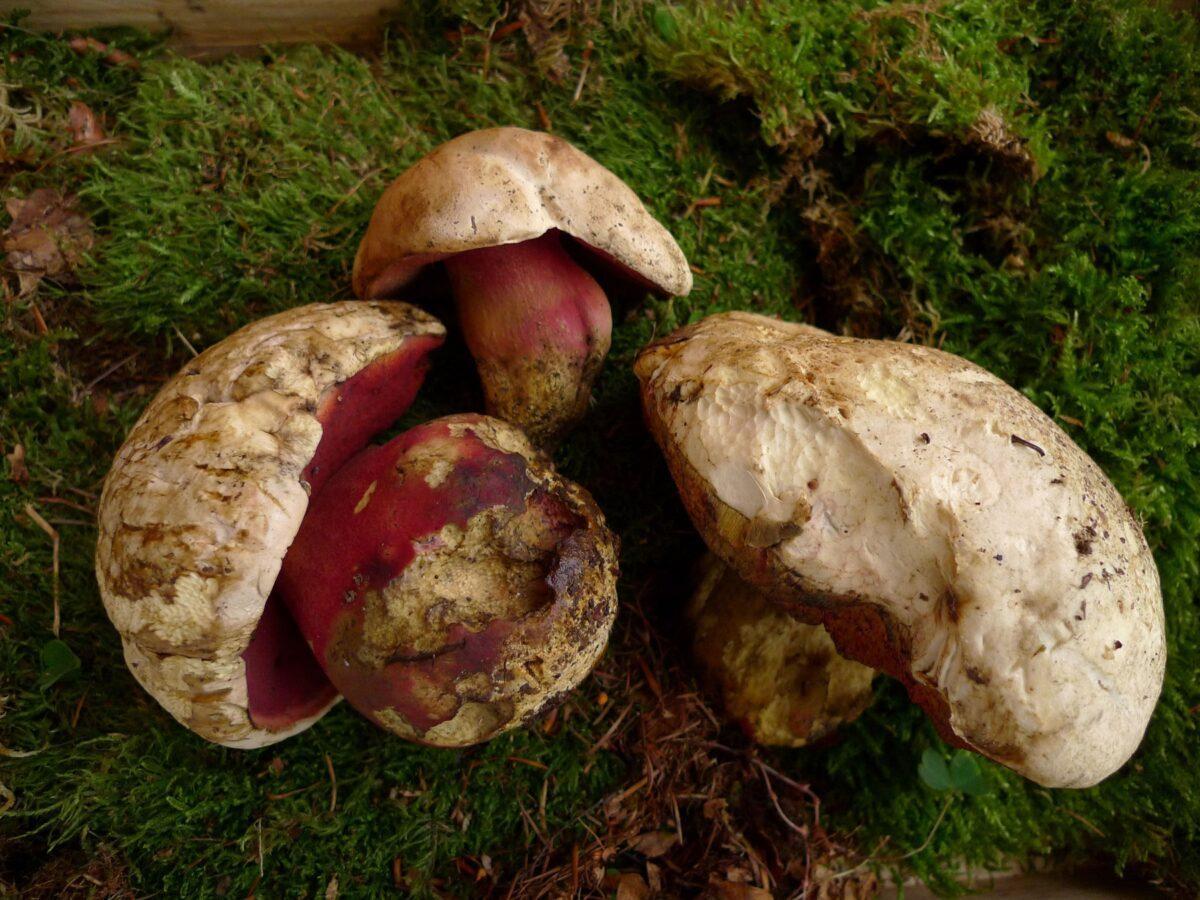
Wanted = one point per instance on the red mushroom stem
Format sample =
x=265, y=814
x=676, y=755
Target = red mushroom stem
x=538, y=326
x=426, y=569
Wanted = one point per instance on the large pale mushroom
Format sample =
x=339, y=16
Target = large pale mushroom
x=523, y=223
x=232, y=459
x=938, y=524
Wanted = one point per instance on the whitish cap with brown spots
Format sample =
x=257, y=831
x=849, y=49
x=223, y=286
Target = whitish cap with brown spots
x=205, y=496
x=939, y=525
x=503, y=186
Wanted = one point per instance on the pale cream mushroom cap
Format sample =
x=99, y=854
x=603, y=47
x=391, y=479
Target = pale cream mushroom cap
x=205, y=497
x=502, y=186
x=940, y=525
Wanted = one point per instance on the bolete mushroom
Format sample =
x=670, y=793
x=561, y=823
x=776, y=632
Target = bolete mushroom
x=779, y=679
x=937, y=523
x=214, y=482
x=518, y=218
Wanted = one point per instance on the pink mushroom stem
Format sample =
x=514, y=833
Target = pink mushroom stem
x=538, y=326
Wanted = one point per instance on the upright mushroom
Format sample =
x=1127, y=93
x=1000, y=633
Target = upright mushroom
x=519, y=218
x=234, y=457
x=779, y=679
x=941, y=527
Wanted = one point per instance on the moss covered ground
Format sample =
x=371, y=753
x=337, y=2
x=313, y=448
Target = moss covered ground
x=1016, y=182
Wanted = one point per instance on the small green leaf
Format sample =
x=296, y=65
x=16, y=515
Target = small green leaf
x=965, y=774
x=664, y=24
x=933, y=770
x=58, y=662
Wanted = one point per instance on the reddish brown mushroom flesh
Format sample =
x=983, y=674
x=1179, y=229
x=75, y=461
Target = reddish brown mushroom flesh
x=446, y=581
x=284, y=682
x=538, y=326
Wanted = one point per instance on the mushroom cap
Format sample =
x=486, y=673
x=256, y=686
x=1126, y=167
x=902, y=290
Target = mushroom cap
x=942, y=528
x=207, y=493
x=781, y=679
x=503, y=186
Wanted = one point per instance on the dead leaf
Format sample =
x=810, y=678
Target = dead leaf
x=47, y=238
x=1120, y=141
x=654, y=878
x=731, y=890
x=632, y=886
x=86, y=45
x=546, y=25
x=653, y=843
x=331, y=889
x=84, y=125
x=16, y=465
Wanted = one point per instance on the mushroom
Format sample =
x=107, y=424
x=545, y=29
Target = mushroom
x=781, y=680
x=518, y=218
x=472, y=584
x=213, y=483
x=941, y=527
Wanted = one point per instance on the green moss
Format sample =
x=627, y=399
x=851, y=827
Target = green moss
x=241, y=187
x=852, y=68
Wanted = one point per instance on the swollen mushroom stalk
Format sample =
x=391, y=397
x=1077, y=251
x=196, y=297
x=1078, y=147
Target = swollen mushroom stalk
x=469, y=586
x=538, y=326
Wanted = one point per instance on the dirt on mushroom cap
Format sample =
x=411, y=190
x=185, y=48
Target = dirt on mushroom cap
x=941, y=526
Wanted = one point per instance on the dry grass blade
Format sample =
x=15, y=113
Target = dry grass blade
x=53, y=535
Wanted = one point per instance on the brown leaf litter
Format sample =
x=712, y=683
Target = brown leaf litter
x=48, y=238
x=695, y=817
x=84, y=125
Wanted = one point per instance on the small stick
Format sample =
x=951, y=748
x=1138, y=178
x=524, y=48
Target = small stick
x=700, y=203
x=66, y=502
x=504, y=31
x=332, y=782
x=292, y=793
x=186, y=342
x=1017, y=439
x=49, y=529
x=99, y=378
x=78, y=709
x=37, y=317
x=529, y=762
